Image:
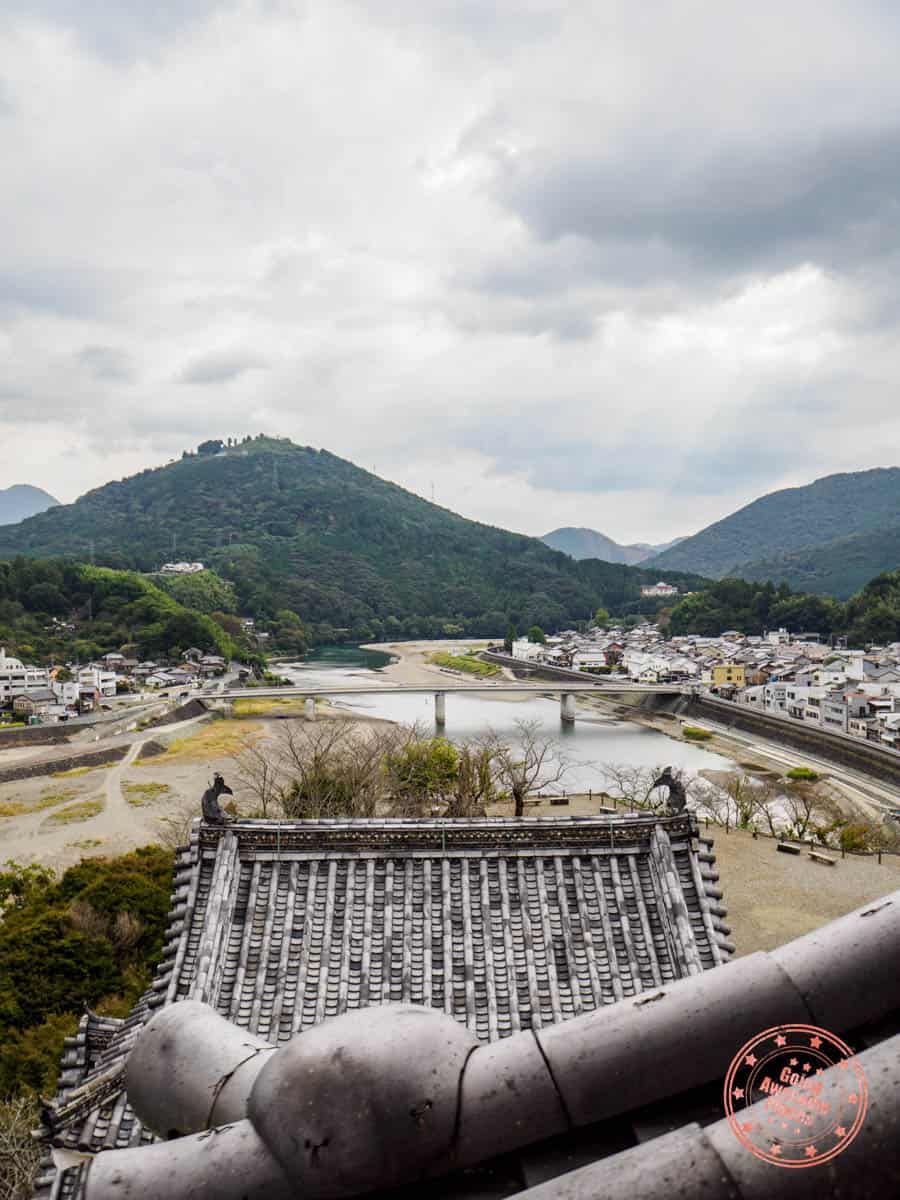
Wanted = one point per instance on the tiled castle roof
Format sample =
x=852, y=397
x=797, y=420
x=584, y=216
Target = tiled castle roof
x=503, y=924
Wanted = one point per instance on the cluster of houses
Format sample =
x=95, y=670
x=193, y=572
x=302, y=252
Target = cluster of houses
x=55, y=693
x=795, y=676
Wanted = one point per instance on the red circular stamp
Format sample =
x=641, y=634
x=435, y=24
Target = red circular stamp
x=786, y=1105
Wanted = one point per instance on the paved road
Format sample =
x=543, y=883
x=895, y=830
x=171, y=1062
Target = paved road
x=868, y=792
x=543, y=688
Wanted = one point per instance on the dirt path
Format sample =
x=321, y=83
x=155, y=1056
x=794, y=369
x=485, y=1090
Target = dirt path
x=115, y=829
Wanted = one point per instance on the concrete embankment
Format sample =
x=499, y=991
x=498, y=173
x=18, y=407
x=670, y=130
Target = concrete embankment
x=95, y=758
x=842, y=750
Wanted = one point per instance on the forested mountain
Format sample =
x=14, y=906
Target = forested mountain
x=61, y=610
x=837, y=568
x=872, y=615
x=21, y=501
x=297, y=529
x=581, y=543
x=790, y=520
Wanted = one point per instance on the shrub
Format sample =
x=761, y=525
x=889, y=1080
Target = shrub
x=695, y=734
x=802, y=775
x=91, y=938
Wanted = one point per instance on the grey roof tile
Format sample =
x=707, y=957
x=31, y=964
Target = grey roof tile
x=504, y=924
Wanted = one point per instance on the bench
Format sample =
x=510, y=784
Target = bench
x=786, y=848
x=822, y=858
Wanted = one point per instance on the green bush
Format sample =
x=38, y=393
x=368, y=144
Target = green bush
x=802, y=775
x=694, y=734
x=465, y=663
x=90, y=939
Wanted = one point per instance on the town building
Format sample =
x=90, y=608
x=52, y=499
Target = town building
x=181, y=568
x=729, y=674
x=659, y=589
x=17, y=679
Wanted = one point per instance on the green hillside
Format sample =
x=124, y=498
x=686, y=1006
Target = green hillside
x=837, y=568
x=870, y=616
x=298, y=529
x=794, y=519
x=60, y=610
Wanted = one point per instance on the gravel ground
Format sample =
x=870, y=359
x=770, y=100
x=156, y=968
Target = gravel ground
x=773, y=897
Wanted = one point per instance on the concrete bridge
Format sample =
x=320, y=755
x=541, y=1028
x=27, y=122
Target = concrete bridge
x=566, y=692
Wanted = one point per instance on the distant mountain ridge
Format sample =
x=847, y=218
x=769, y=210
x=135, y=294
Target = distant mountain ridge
x=837, y=568
x=299, y=530
x=580, y=543
x=792, y=520
x=21, y=501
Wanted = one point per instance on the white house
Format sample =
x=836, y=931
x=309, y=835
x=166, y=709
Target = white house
x=97, y=680
x=588, y=660
x=181, y=568
x=659, y=589
x=522, y=648
x=16, y=679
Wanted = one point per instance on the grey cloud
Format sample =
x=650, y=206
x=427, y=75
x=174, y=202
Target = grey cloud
x=64, y=291
x=107, y=362
x=832, y=200
x=490, y=24
x=220, y=368
x=119, y=30
x=7, y=103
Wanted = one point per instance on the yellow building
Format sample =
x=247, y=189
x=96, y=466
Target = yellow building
x=729, y=675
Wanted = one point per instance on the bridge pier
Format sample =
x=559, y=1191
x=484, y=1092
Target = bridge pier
x=566, y=707
x=309, y=708
x=440, y=709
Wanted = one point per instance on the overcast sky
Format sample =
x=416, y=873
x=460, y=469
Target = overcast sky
x=623, y=265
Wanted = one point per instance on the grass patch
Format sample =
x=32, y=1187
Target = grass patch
x=139, y=794
x=257, y=706
x=694, y=734
x=220, y=739
x=82, y=811
x=465, y=663
x=73, y=771
x=21, y=808
x=802, y=774
x=87, y=843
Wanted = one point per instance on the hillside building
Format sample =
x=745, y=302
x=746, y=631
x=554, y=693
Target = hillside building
x=17, y=679
x=659, y=589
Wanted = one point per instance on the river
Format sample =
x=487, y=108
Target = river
x=587, y=744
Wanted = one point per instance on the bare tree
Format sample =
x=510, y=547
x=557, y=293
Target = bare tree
x=325, y=769
x=475, y=786
x=19, y=1152
x=527, y=764
x=633, y=785
x=802, y=808
x=260, y=773
x=732, y=801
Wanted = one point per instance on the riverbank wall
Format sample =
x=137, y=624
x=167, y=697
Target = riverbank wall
x=841, y=749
